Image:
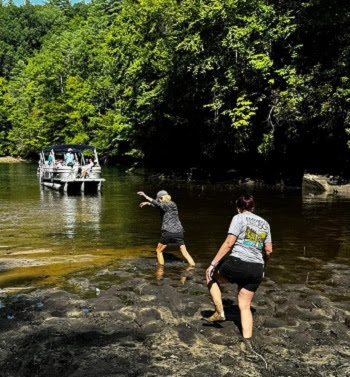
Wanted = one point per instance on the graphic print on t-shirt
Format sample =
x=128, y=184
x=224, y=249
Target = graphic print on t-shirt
x=253, y=238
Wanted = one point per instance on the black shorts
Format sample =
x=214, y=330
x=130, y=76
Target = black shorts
x=246, y=274
x=168, y=238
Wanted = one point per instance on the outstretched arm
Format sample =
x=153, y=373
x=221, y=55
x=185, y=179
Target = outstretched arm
x=145, y=204
x=141, y=193
x=152, y=202
x=149, y=203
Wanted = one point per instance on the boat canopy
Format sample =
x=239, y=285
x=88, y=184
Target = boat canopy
x=64, y=148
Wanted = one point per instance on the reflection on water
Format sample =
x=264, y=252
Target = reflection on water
x=159, y=272
x=182, y=274
x=310, y=233
x=72, y=212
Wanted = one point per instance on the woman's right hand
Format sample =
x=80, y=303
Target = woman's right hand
x=141, y=193
x=210, y=272
x=144, y=204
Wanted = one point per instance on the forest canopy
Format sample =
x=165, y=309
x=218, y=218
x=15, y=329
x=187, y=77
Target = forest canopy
x=258, y=86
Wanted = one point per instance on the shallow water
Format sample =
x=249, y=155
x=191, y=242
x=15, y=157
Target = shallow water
x=65, y=233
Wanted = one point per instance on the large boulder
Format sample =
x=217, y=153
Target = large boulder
x=322, y=184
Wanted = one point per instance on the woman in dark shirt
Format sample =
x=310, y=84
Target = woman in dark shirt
x=172, y=232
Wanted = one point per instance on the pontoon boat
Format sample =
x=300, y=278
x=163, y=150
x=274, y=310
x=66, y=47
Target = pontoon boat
x=70, y=166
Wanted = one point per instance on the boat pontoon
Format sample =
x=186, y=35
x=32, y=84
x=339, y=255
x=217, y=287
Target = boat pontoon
x=70, y=166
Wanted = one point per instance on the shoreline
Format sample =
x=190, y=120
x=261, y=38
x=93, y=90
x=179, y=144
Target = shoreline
x=131, y=319
x=228, y=180
x=11, y=160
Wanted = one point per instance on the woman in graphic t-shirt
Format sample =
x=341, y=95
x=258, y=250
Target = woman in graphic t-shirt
x=250, y=247
x=172, y=232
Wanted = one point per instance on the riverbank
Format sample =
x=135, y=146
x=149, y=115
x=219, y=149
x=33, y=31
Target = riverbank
x=130, y=319
x=11, y=160
x=223, y=180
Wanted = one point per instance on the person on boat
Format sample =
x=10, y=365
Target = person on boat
x=172, y=232
x=250, y=247
x=87, y=168
x=69, y=158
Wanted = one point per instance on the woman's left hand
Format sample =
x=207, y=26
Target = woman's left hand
x=141, y=193
x=144, y=204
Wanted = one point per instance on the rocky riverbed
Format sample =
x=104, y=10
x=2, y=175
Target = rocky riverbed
x=130, y=319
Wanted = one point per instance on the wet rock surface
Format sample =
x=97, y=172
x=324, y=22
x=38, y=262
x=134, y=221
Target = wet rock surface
x=136, y=320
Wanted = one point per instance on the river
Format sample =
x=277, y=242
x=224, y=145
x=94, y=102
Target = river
x=46, y=235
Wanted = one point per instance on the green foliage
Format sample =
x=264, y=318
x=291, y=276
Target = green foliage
x=199, y=82
x=4, y=123
x=21, y=32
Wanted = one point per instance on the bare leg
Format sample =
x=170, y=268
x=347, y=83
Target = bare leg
x=215, y=292
x=159, y=250
x=186, y=255
x=244, y=299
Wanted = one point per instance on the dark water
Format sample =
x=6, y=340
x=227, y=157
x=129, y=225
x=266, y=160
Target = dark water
x=310, y=234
